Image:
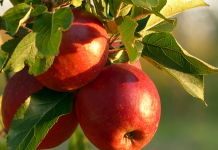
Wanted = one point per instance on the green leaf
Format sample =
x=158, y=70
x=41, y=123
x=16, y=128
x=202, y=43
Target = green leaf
x=147, y=4
x=142, y=23
x=10, y=45
x=6, y=50
x=153, y=2
x=38, y=10
x=41, y=65
x=114, y=7
x=27, y=52
x=158, y=14
x=127, y=29
x=36, y=116
x=1, y=2
x=125, y=9
x=49, y=29
x=33, y=2
x=163, y=48
x=78, y=141
x=101, y=8
x=119, y=57
x=192, y=83
x=142, y=3
x=139, y=13
x=15, y=2
x=3, y=58
x=160, y=5
x=76, y=3
x=15, y=16
x=172, y=8
x=126, y=1
x=164, y=26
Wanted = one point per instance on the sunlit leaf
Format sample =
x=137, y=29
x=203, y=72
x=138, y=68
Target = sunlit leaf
x=38, y=10
x=36, y=116
x=164, y=26
x=49, y=27
x=76, y=3
x=6, y=50
x=16, y=16
x=172, y=8
x=3, y=58
x=163, y=48
x=153, y=2
x=27, y=52
x=125, y=9
x=127, y=29
x=118, y=57
x=192, y=83
x=160, y=5
x=139, y=13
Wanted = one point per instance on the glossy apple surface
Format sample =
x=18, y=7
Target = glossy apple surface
x=120, y=109
x=82, y=54
x=17, y=90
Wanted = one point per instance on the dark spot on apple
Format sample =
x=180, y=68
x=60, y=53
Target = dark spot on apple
x=129, y=135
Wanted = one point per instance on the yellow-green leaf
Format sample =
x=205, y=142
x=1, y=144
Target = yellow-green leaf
x=172, y=8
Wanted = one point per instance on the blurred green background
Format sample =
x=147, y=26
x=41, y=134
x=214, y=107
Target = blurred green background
x=186, y=124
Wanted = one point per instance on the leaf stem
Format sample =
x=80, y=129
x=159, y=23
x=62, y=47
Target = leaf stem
x=111, y=42
x=111, y=37
x=118, y=11
x=116, y=49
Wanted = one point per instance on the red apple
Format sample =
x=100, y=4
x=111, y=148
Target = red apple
x=82, y=54
x=17, y=90
x=120, y=109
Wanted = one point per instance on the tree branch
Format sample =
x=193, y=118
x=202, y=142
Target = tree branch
x=22, y=31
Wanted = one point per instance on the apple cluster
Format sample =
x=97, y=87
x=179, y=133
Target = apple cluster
x=117, y=106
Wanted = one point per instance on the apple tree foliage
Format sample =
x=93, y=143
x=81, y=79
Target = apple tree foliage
x=144, y=28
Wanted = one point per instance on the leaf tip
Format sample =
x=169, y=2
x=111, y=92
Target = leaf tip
x=204, y=102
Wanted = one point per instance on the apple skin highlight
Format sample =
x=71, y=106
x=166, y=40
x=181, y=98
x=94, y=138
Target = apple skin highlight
x=82, y=54
x=120, y=109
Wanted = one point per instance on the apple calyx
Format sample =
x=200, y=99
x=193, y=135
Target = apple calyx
x=129, y=135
